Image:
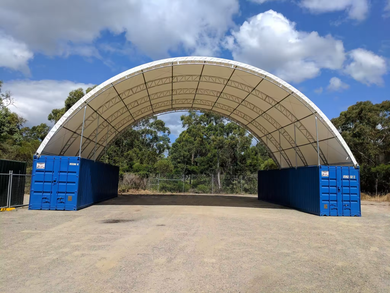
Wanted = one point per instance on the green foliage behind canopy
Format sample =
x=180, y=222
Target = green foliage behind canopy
x=140, y=147
x=17, y=142
x=366, y=129
x=212, y=145
x=72, y=99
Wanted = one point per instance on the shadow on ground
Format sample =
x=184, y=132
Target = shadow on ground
x=191, y=200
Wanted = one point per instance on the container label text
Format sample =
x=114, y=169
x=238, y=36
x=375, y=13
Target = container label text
x=40, y=165
x=325, y=173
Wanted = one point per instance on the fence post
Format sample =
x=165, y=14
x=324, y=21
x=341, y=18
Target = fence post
x=212, y=183
x=241, y=183
x=183, y=183
x=9, y=193
x=158, y=183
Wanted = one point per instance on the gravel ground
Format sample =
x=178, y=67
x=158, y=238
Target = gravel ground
x=197, y=243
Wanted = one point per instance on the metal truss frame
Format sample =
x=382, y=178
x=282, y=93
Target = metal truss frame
x=114, y=127
x=198, y=78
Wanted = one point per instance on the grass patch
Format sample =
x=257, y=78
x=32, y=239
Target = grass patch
x=380, y=198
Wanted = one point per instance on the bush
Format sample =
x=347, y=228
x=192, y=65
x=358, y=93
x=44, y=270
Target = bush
x=268, y=165
x=169, y=186
x=164, y=167
x=201, y=188
x=187, y=186
x=375, y=180
x=173, y=186
x=132, y=181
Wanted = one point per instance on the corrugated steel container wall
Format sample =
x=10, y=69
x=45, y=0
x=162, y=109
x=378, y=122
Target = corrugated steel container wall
x=340, y=191
x=319, y=190
x=71, y=183
x=18, y=182
x=100, y=182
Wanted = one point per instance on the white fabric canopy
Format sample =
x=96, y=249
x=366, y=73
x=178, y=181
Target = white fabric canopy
x=276, y=113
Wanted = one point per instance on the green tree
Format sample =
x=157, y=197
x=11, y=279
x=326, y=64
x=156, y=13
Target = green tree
x=72, y=99
x=14, y=144
x=366, y=129
x=10, y=123
x=38, y=132
x=140, y=147
x=212, y=145
x=164, y=166
x=268, y=165
x=5, y=98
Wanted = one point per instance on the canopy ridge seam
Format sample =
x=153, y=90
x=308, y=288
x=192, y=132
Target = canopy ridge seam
x=224, y=87
x=171, y=87
x=197, y=86
x=309, y=143
x=102, y=117
x=122, y=101
x=66, y=128
x=247, y=96
x=273, y=106
x=89, y=121
x=147, y=90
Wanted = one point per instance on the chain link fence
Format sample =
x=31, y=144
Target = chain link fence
x=206, y=184
x=14, y=189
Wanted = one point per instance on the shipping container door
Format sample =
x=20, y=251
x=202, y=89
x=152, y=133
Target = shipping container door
x=54, y=187
x=351, y=191
x=334, y=191
x=355, y=192
x=346, y=195
x=61, y=183
x=69, y=182
x=339, y=191
x=41, y=189
x=325, y=190
x=329, y=191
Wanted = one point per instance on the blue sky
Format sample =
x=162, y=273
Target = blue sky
x=336, y=52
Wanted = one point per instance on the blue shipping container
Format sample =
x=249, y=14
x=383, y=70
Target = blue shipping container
x=71, y=183
x=319, y=190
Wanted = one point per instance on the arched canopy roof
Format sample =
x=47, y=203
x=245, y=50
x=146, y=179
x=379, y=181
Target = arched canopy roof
x=276, y=113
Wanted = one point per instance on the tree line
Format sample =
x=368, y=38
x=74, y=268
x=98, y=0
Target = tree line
x=209, y=144
x=366, y=129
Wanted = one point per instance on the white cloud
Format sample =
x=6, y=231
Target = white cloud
x=271, y=42
x=173, y=122
x=336, y=85
x=387, y=9
x=319, y=90
x=81, y=50
x=34, y=100
x=357, y=9
x=366, y=67
x=262, y=1
x=155, y=27
x=14, y=54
